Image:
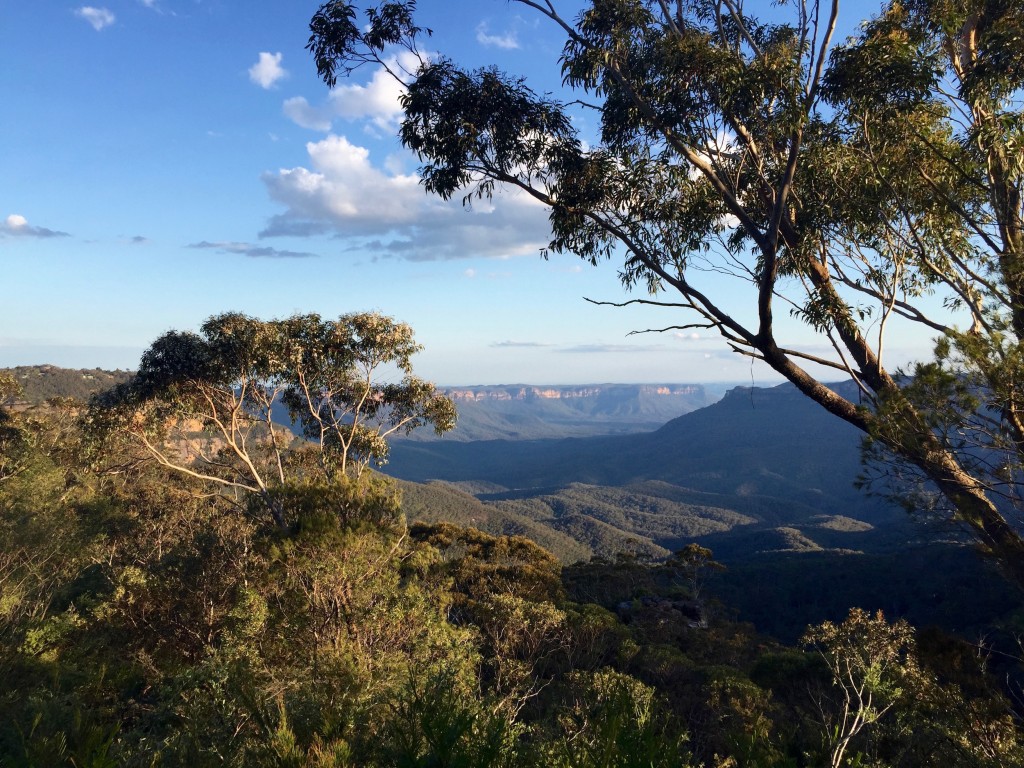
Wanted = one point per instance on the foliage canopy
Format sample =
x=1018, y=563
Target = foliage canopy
x=211, y=404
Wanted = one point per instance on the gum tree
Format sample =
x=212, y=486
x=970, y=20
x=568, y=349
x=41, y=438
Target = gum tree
x=862, y=186
x=873, y=666
x=211, y=405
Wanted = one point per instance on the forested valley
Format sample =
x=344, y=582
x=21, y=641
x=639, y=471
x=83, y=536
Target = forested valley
x=157, y=612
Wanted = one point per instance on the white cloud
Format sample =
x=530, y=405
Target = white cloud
x=268, y=70
x=377, y=101
x=98, y=17
x=507, y=41
x=302, y=113
x=390, y=215
x=252, y=251
x=590, y=349
x=395, y=163
x=18, y=226
x=343, y=191
x=157, y=7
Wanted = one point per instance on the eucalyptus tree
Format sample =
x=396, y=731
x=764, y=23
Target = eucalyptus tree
x=211, y=405
x=332, y=389
x=11, y=438
x=863, y=186
x=873, y=665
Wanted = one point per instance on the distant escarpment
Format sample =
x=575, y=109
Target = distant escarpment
x=618, y=392
x=529, y=412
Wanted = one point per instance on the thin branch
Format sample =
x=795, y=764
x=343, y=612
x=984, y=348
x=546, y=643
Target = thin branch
x=741, y=25
x=649, y=302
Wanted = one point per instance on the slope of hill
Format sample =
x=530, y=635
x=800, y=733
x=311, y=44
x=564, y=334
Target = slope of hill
x=768, y=442
x=41, y=382
x=639, y=511
x=442, y=502
x=762, y=470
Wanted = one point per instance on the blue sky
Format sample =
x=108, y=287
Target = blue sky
x=166, y=160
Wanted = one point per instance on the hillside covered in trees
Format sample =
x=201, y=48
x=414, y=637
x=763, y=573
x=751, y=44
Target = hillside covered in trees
x=39, y=383
x=352, y=620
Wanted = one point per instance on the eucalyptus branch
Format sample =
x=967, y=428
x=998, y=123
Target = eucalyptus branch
x=966, y=217
x=665, y=329
x=669, y=21
x=165, y=461
x=737, y=18
x=701, y=303
x=819, y=67
x=649, y=302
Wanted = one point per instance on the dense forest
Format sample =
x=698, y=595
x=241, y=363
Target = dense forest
x=159, y=608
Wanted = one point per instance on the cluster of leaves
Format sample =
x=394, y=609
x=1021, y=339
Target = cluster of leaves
x=144, y=621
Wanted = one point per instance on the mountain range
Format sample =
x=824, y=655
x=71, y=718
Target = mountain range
x=764, y=477
x=523, y=411
x=754, y=441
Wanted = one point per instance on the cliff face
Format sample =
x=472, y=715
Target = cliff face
x=523, y=411
x=523, y=392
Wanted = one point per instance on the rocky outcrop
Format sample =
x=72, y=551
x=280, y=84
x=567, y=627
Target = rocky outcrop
x=663, y=610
